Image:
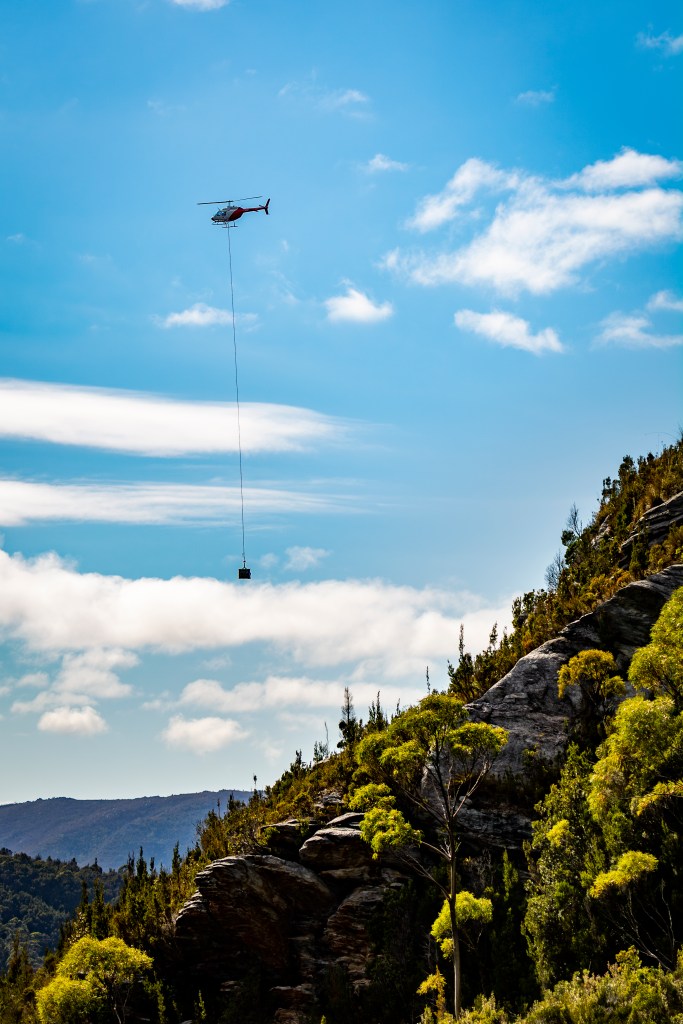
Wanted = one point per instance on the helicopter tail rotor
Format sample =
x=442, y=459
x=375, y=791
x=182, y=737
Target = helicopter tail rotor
x=267, y=205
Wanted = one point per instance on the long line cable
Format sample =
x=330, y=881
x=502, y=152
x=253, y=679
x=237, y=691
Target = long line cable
x=237, y=395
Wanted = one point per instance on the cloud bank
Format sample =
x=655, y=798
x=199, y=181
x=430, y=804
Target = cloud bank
x=51, y=609
x=144, y=424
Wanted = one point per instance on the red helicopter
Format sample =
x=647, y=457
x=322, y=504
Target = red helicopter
x=228, y=214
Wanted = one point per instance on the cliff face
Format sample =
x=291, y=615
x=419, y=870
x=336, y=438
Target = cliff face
x=296, y=920
x=291, y=924
x=525, y=701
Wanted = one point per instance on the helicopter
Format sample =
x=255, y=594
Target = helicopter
x=231, y=212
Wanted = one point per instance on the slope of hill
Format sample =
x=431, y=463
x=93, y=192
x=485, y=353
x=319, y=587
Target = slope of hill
x=108, y=831
x=38, y=896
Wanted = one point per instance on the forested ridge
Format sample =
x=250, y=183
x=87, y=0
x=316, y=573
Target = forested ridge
x=581, y=924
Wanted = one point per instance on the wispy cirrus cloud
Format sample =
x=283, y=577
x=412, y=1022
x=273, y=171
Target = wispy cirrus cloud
x=301, y=558
x=201, y=315
x=635, y=330
x=666, y=300
x=545, y=232
x=509, y=330
x=144, y=424
x=23, y=502
x=356, y=307
x=350, y=102
x=380, y=163
x=536, y=97
x=665, y=43
x=200, y=5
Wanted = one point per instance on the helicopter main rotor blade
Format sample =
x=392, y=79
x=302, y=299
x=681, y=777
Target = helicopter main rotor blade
x=219, y=202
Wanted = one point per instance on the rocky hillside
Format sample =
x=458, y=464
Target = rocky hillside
x=298, y=920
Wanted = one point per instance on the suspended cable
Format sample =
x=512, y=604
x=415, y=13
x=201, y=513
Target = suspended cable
x=244, y=573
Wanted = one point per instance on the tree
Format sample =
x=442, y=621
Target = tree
x=658, y=667
x=90, y=976
x=349, y=726
x=594, y=674
x=431, y=758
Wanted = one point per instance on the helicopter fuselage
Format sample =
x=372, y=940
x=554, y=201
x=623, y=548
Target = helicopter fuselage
x=229, y=214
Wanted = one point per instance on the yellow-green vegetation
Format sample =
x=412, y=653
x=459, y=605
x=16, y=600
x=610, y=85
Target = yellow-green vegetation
x=432, y=759
x=94, y=980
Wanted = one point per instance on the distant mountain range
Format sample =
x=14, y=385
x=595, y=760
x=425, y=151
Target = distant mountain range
x=108, y=831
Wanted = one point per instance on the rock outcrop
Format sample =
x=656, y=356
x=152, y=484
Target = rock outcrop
x=294, y=920
x=288, y=922
x=526, y=703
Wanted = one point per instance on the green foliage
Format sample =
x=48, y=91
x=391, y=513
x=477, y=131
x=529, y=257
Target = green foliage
x=565, y=851
x=386, y=829
x=630, y=867
x=66, y=1001
x=38, y=896
x=658, y=667
x=644, y=750
x=92, y=976
x=432, y=759
x=627, y=994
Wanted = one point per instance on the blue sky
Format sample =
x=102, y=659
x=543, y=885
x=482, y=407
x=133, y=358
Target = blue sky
x=460, y=314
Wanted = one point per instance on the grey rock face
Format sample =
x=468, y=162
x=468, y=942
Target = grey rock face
x=525, y=701
x=338, y=846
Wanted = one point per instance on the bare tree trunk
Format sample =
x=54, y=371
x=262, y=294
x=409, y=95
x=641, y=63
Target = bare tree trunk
x=456, y=941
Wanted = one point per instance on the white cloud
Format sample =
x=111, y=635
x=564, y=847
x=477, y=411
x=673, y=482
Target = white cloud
x=629, y=169
x=300, y=559
x=508, y=330
x=381, y=163
x=669, y=45
x=666, y=300
x=23, y=502
x=202, y=735
x=536, y=97
x=83, y=679
x=470, y=178
x=356, y=307
x=343, y=99
x=201, y=315
x=391, y=630
x=201, y=5
x=144, y=424
x=73, y=721
x=279, y=692
x=546, y=232
x=635, y=331
x=351, y=102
